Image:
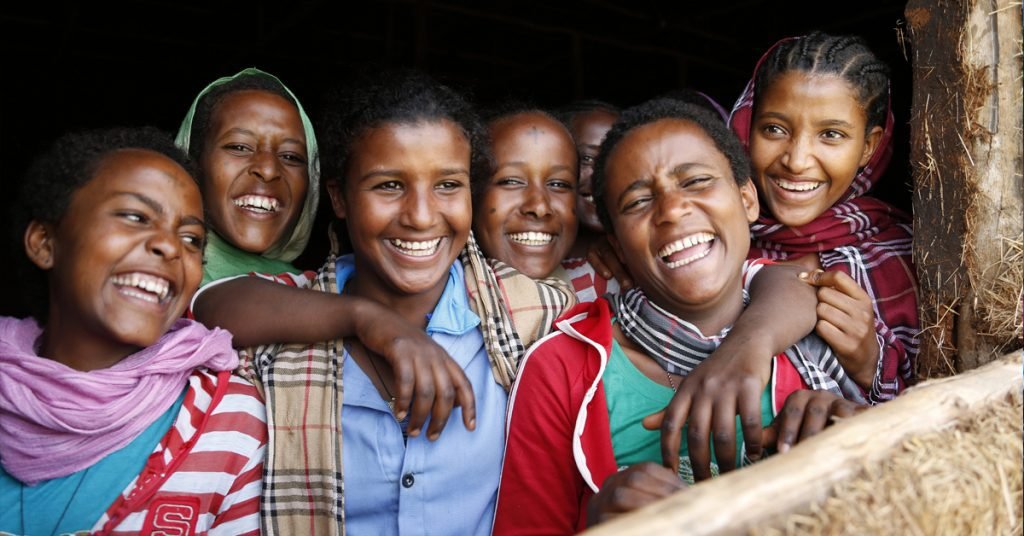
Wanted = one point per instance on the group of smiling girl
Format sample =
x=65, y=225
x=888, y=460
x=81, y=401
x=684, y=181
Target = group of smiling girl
x=759, y=294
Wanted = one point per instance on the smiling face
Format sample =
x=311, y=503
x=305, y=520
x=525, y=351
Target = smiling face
x=254, y=169
x=407, y=205
x=808, y=139
x=526, y=217
x=126, y=257
x=588, y=129
x=680, y=221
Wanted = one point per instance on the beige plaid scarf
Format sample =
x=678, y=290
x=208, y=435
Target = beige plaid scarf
x=303, y=490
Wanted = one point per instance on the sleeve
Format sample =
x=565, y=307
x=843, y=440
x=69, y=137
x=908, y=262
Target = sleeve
x=541, y=491
x=239, y=512
x=300, y=280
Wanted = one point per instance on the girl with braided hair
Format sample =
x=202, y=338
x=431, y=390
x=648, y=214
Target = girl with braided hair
x=818, y=126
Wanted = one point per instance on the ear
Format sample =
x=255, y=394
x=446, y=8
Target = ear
x=334, y=191
x=39, y=244
x=748, y=194
x=870, y=145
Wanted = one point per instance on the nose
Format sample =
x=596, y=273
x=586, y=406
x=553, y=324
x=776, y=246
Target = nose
x=797, y=156
x=419, y=209
x=165, y=244
x=536, y=201
x=671, y=206
x=264, y=165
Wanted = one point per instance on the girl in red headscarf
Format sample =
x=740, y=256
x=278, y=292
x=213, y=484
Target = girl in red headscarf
x=816, y=120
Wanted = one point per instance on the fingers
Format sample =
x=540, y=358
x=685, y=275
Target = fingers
x=697, y=440
x=787, y=423
x=633, y=488
x=723, y=422
x=750, y=420
x=816, y=417
x=464, y=397
x=671, y=427
x=654, y=420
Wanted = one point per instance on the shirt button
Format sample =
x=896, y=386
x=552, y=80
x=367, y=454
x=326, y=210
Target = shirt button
x=408, y=480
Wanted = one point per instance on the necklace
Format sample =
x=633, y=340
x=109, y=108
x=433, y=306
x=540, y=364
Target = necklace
x=24, y=525
x=390, y=400
x=671, y=382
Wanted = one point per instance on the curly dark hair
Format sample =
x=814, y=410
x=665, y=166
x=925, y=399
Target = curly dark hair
x=61, y=170
x=845, y=56
x=395, y=96
x=209, y=102
x=566, y=113
x=654, y=110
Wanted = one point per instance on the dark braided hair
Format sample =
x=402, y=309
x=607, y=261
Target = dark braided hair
x=399, y=96
x=845, y=56
x=710, y=122
x=53, y=178
x=211, y=99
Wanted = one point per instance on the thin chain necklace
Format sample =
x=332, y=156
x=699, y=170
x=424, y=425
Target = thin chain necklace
x=390, y=400
x=671, y=382
x=24, y=524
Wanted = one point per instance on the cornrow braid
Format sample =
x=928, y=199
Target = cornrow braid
x=845, y=56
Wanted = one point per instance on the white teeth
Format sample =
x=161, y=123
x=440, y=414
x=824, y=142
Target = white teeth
x=423, y=248
x=260, y=202
x=532, y=238
x=156, y=288
x=685, y=243
x=801, y=186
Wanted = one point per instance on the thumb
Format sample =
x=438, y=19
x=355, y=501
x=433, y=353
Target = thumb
x=818, y=278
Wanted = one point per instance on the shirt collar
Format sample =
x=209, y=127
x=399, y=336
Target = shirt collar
x=452, y=314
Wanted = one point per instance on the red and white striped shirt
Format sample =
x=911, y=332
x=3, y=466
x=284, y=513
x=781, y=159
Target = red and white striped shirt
x=205, y=476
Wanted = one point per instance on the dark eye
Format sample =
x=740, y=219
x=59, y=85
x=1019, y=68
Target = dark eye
x=833, y=134
x=294, y=158
x=586, y=160
x=389, y=186
x=237, y=147
x=134, y=217
x=773, y=130
x=697, y=182
x=510, y=181
x=449, y=185
x=636, y=204
x=194, y=241
x=561, y=184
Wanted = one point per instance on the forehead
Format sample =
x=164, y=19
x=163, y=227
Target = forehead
x=265, y=105
x=528, y=128
x=143, y=172
x=592, y=122
x=441, y=142
x=808, y=93
x=662, y=146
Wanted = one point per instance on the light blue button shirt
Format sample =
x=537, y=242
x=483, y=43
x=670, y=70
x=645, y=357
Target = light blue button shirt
x=448, y=486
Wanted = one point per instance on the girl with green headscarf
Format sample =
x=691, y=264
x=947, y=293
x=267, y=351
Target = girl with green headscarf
x=259, y=173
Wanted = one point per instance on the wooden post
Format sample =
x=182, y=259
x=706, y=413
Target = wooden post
x=966, y=153
x=789, y=483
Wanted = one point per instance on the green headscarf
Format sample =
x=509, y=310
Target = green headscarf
x=223, y=259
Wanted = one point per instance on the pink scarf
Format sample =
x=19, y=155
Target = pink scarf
x=55, y=421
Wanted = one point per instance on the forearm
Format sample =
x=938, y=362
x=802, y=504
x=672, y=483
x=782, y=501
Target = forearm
x=258, y=312
x=781, y=310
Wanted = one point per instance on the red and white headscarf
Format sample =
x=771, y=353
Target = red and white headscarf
x=862, y=236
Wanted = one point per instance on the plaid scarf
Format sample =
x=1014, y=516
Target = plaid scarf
x=869, y=240
x=679, y=346
x=303, y=487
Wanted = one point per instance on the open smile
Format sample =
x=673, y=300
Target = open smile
x=145, y=287
x=258, y=204
x=687, y=250
x=531, y=238
x=416, y=248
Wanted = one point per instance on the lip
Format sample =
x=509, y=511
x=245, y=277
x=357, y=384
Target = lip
x=532, y=239
x=795, y=188
x=416, y=249
x=258, y=205
x=686, y=250
x=147, y=287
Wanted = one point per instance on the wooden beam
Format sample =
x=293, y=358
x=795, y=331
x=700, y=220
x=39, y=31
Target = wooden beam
x=738, y=501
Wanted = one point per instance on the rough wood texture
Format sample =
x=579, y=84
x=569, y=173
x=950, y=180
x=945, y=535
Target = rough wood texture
x=734, y=503
x=966, y=156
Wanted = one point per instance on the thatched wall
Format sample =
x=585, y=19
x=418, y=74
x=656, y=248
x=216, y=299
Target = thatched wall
x=966, y=153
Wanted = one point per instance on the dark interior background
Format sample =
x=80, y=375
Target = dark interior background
x=71, y=65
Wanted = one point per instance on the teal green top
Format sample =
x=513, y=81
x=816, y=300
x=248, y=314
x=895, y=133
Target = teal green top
x=73, y=503
x=631, y=396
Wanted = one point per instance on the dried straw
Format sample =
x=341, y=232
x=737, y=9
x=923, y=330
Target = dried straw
x=964, y=480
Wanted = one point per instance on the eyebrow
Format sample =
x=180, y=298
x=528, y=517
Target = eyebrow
x=826, y=123
x=520, y=163
x=398, y=173
x=159, y=209
x=247, y=132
